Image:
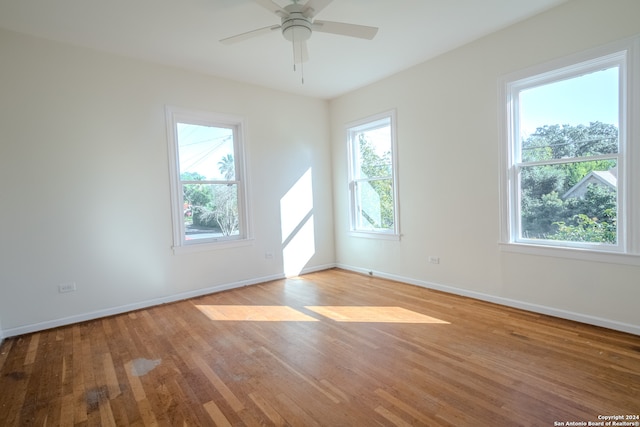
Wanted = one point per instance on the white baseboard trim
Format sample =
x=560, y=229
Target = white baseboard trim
x=523, y=305
x=92, y=315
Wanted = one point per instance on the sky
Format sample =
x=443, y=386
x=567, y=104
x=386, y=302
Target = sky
x=202, y=147
x=581, y=100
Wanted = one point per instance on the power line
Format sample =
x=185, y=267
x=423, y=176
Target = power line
x=586, y=141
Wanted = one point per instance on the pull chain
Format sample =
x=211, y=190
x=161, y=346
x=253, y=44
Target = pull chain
x=293, y=46
x=301, y=65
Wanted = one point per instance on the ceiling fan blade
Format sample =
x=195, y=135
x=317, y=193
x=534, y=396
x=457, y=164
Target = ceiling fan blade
x=300, y=52
x=273, y=7
x=249, y=34
x=351, y=30
x=313, y=7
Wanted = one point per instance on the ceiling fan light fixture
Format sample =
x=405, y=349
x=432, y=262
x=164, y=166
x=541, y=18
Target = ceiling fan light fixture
x=296, y=27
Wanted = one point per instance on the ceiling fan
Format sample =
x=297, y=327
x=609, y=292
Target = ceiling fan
x=297, y=24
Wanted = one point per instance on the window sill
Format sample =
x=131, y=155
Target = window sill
x=572, y=253
x=374, y=235
x=210, y=246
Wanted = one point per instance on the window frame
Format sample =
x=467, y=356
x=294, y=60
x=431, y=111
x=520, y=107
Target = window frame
x=175, y=115
x=623, y=54
x=351, y=129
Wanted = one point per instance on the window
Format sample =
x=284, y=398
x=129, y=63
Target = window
x=208, y=183
x=372, y=177
x=568, y=155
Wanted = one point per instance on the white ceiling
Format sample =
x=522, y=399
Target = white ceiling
x=185, y=33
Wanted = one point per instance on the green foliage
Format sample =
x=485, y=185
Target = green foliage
x=557, y=142
x=380, y=199
x=589, y=219
x=586, y=230
x=539, y=215
x=213, y=206
x=196, y=197
x=574, y=172
x=223, y=209
x=544, y=214
x=227, y=167
x=191, y=176
x=537, y=181
x=599, y=202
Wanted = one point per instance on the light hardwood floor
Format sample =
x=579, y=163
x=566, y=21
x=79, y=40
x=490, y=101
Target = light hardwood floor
x=331, y=348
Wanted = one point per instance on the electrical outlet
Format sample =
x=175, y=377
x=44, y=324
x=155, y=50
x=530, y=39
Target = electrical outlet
x=67, y=287
x=434, y=260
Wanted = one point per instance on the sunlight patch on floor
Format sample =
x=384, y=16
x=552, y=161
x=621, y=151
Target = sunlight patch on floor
x=254, y=313
x=280, y=313
x=373, y=314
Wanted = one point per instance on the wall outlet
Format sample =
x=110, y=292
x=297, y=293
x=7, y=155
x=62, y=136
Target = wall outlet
x=67, y=287
x=434, y=260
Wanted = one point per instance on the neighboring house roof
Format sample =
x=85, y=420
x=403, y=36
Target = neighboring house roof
x=607, y=179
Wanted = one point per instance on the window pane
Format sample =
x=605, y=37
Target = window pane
x=570, y=202
x=570, y=118
x=205, y=152
x=374, y=204
x=210, y=210
x=373, y=152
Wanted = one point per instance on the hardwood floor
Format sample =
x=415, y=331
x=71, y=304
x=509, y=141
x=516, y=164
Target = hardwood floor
x=327, y=349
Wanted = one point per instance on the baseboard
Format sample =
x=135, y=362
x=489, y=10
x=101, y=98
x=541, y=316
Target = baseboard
x=83, y=317
x=523, y=305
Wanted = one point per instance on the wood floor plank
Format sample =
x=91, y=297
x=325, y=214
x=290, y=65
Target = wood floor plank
x=215, y=380
x=216, y=414
x=33, y=349
x=393, y=418
x=327, y=348
x=267, y=409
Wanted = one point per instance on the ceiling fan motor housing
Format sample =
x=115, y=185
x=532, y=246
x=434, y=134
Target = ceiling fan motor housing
x=296, y=26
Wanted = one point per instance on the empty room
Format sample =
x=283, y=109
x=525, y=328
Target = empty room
x=320, y=213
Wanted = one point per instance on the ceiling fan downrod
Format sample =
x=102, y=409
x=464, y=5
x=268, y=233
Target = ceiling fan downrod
x=296, y=28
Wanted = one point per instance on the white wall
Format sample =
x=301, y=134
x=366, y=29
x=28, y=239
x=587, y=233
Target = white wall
x=448, y=145
x=85, y=184
x=85, y=188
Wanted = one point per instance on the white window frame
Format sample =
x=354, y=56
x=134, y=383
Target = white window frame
x=351, y=130
x=175, y=115
x=627, y=250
